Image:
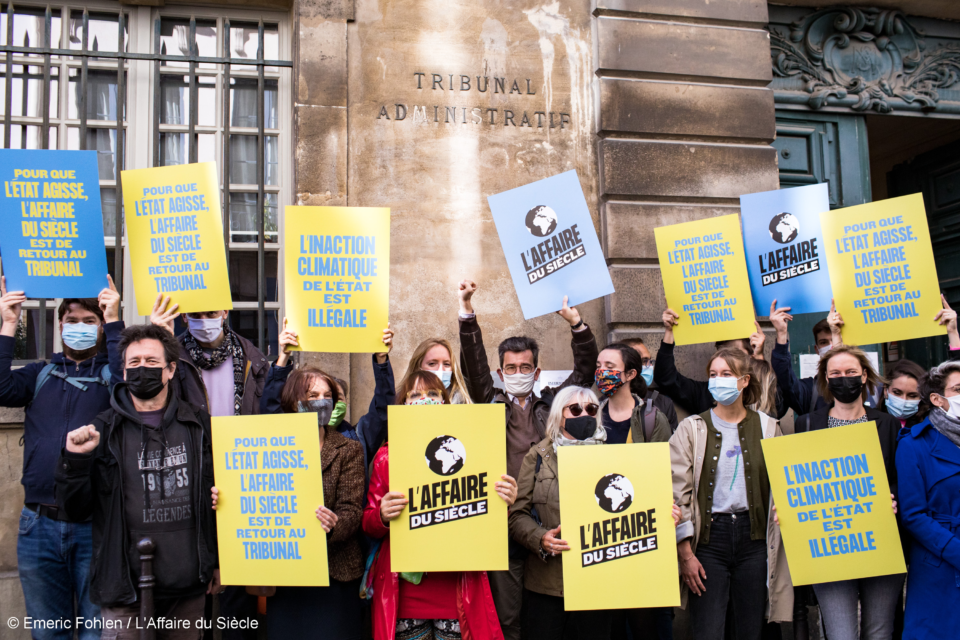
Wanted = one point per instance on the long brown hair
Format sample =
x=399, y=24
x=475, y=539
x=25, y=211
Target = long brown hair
x=767, y=381
x=741, y=365
x=298, y=386
x=873, y=378
x=457, y=382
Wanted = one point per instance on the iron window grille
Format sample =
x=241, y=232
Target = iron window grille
x=82, y=90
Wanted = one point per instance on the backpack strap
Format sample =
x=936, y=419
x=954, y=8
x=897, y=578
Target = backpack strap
x=50, y=369
x=649, y=416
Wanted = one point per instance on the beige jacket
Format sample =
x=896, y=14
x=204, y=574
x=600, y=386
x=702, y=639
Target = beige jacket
x=687, y=447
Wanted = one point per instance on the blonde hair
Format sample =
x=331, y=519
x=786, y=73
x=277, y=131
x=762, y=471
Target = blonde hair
x=564, y=397
x=873, y=378
x=457, y=383
x=767, y=401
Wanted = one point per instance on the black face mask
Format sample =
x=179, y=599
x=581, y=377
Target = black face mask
x=845, y=389
x=145, y=382
x=581, y=428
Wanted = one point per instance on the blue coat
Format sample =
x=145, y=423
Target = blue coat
x=928, y=470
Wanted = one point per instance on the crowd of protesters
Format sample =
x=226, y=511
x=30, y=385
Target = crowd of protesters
x=117, y=432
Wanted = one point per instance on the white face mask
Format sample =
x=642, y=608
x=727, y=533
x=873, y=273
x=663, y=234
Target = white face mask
x=519, y=384
x=823, y=350
x=954, y=409
x=205, y=329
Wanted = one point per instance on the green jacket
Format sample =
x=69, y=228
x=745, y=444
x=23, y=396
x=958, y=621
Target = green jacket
x=661, y=426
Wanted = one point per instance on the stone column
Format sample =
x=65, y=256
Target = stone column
x=686, y=121
x=320, y=120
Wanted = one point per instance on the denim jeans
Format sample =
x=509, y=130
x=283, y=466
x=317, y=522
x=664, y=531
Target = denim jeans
x=53, y=560
x=877, y=598
x=736, y=569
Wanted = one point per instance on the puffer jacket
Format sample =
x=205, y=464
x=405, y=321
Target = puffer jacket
x=478, y=616
x=687, y=450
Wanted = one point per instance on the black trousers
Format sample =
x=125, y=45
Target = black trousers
x=736, y=569
x=644, y=624
x=316, y=613
x=545, y=619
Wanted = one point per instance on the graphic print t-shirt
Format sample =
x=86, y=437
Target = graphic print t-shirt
x=158, y=495
x=730, y=495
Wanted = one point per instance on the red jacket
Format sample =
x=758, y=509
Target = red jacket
x=478, y=617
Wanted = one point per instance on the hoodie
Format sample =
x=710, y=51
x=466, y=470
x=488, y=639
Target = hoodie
x=98, y=486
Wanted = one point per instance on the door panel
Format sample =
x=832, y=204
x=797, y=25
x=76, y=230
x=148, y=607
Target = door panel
x=935, y=174
x=814, y=148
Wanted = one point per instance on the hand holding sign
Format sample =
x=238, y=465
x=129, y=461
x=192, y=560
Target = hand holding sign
x=835, y=320
x=10, y=304
x=757, y=340
x=163, y=314
x=552, y=543
x=391, y=504
x=388, y=343
x=328, y=519
x=779, y=317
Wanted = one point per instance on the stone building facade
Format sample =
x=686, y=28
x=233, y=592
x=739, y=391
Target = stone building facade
x=668, y=110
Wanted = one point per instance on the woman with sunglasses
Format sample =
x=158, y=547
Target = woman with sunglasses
x=535, y=521
x=440, y=605
x=729, y=544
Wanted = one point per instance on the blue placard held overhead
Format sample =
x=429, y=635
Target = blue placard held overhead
x=51, y=223
x=785, y=251
x=551, y=246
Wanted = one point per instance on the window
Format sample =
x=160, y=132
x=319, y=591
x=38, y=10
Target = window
x=157, y=87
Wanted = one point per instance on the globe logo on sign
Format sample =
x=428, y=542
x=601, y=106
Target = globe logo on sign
x=541, y=221
x=445, y=455
x=614, y=493
x=784, y=227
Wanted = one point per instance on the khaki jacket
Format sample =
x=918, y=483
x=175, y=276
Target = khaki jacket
x=538, y=498
x=687, y=448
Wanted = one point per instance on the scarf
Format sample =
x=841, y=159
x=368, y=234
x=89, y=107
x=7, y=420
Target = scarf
x=230, y=347
x=599, y=437
x=946, y=424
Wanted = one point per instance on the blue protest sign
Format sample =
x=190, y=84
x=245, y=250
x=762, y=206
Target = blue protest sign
x=51, y=225
x=785, y=250
x=551, y=246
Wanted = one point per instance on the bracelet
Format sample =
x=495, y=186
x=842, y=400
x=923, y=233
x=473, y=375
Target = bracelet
x=577, y=326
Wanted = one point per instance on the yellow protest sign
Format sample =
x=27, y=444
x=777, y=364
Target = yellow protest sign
x=337, y=277
x=882, y=270
x=705, y=279
x=175, y=237
x=446, y=459
x=833, y=500
x=616, y=505
x=267, y=469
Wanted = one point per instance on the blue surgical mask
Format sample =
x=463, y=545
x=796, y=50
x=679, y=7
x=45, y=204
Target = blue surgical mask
x=205, y=329
x=647, y=374
x=724, y=390
x=445, y=377
x=79, y=336
x=900, y=408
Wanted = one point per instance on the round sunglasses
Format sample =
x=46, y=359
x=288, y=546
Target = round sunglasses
x=577, y=409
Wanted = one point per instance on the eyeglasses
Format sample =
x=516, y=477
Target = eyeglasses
x=648, y=362
x=416, y=395
x=577, y=409
x=525, y=369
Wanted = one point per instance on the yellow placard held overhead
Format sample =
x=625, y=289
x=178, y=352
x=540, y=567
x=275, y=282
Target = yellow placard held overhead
x=268, y=472
x=616, y=512
x=834, y=505
x=882, y=270
x=705, y=279
x=337, y=277
x=446, y=459
x=175, y=237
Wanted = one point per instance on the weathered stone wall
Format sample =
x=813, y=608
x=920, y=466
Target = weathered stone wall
x=446, y=103
x=685, y=120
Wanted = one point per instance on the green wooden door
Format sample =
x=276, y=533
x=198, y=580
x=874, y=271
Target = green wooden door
x=814, y=148
x=935, y=174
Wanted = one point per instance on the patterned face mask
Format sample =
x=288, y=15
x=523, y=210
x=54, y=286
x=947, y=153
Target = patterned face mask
x=425, y=400
x=608, y=381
